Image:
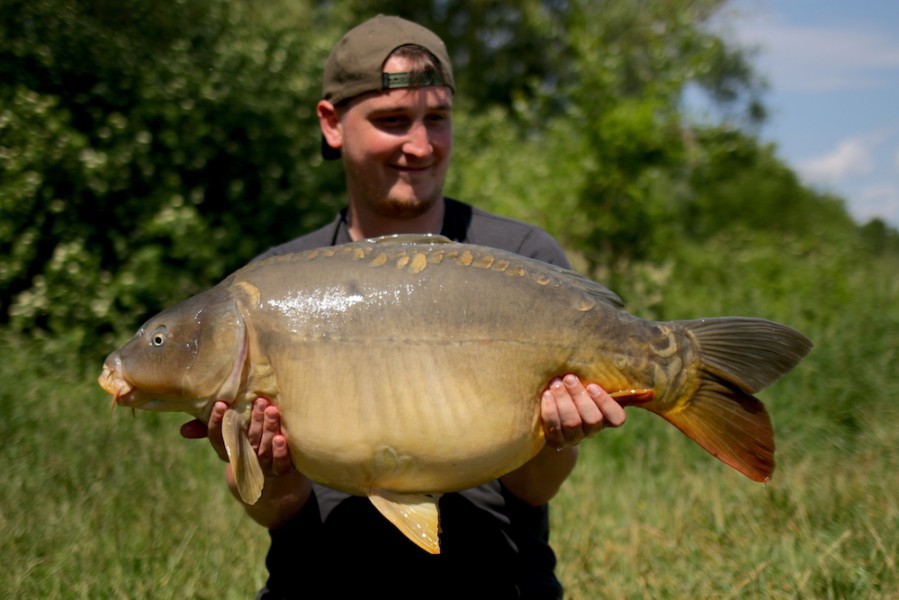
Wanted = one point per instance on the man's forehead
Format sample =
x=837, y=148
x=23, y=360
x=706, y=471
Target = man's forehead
x=429, y=98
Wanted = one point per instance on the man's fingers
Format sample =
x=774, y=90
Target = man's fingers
x=274, y=456
x=271, y=425
x=263, y=431
x=572, y=412
x=564, y=428
x=590, y=417
x=552, y=424
x=613, y=413
x=281, y=463
x=257, y=423
x=214, y=429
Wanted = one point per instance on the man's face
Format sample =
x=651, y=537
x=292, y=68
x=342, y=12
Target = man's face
x=396, y=147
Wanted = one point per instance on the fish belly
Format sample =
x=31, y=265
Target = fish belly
x=412, y=417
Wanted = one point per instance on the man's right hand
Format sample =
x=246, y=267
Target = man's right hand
x=286, y=490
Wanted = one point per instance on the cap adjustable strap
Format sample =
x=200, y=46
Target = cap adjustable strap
x=409, y=80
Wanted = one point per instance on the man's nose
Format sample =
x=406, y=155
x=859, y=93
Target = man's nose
x=418, y=140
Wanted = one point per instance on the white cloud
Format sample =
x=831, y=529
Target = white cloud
x=830, y=59
x=817, y=58
x=880, y=200
x=851, y=157
x=833, y=69
x=863, y=171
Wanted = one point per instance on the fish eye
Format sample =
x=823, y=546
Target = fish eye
x=159, y=337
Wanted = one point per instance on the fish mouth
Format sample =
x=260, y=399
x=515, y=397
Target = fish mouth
x=113, y=383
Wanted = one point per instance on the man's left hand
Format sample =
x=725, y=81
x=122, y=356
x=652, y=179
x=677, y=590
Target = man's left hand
x=572, y=412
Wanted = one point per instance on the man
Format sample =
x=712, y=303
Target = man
x=387, y=113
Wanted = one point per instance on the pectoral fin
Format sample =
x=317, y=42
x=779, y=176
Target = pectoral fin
x=416, y=515
x=242, y=456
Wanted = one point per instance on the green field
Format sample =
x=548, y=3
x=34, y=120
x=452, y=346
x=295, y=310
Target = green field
x=99, y=504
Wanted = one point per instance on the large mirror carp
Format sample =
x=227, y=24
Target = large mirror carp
x=409, y=366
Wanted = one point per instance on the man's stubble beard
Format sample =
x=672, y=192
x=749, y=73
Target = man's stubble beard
x=404, y=209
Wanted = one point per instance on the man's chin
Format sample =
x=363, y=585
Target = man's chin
x=407, y=206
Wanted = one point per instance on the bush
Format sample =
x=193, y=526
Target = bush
x=144, y=154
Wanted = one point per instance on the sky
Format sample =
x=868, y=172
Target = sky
x=833, y=73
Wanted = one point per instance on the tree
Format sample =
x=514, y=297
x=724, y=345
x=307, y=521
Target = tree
x=610, y=119
x=144, y=153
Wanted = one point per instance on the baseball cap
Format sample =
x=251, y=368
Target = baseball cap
x=355, y=64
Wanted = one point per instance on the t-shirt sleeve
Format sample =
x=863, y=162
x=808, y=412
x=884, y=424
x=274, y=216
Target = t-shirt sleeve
x=527, y=240
x=540, y=245
x=316, y=239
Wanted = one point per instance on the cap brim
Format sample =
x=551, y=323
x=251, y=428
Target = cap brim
x=329, y=153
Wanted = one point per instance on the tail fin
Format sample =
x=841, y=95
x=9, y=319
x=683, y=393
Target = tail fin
x=749, y=353
x=739, y=356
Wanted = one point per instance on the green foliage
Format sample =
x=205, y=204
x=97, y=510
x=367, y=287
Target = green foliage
x=672, y=525
x=144, y=153
x=880, y=239
x=738, y=182
x=607, y=163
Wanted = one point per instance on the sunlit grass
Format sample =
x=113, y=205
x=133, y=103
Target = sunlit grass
x=670, y=522
x=96, y=504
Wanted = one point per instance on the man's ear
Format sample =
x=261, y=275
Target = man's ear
x=329, y=121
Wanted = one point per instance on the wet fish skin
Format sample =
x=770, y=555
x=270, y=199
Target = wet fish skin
x=410, y=366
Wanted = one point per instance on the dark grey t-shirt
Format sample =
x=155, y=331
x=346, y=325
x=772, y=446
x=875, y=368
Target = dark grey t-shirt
x=493, y=545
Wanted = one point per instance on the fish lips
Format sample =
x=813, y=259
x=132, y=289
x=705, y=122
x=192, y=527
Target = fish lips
x=113, y=383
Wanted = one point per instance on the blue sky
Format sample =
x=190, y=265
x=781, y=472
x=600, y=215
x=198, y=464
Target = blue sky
x=833, y=71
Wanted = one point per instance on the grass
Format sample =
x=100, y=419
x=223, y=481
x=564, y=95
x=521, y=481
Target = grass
x=98, y=504
x=101, y=505
x=672, y=525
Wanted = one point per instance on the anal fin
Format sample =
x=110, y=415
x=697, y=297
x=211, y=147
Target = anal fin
x=633, y=397
x=247, y=472
x=416, y=515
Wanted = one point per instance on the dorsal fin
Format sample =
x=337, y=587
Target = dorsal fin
x=402, y=239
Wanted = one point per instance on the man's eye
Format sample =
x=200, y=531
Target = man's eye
x=391, y=122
